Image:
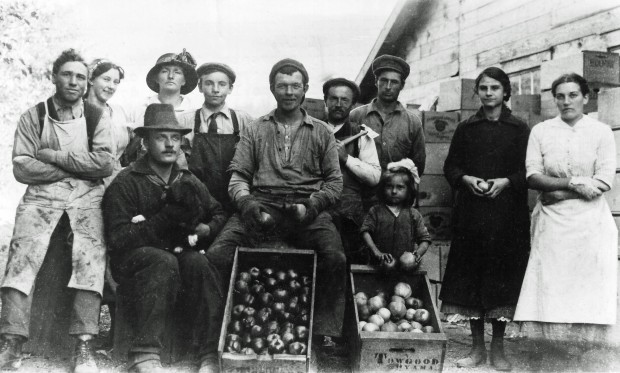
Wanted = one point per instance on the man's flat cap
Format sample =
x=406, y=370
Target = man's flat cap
x=337, y=82
x=389, y=62
x=210, y=67
x=288, y=62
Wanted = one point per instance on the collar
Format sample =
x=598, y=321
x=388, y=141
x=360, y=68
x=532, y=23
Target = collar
x=206, y=112
x=76, y=109
x=558, y=122
x=271, y=117
x=141, y=166
x=505, y=117
x=375, y=108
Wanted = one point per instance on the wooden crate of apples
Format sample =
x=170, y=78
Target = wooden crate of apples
x=393, y=324
x=269, y=310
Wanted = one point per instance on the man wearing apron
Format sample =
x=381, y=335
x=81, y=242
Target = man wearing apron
x=63, y=159
x=216, y=131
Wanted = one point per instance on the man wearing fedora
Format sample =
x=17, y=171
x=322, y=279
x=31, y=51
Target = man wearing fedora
x=62, y=151
x=285, y=176
x=216, y=131
x=401, y=138
x=359, y=164
x=142, y=213
x=172, y=77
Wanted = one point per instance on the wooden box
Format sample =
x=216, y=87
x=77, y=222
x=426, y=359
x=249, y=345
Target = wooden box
x=598, y=68
x=609, y=107
x=315, y=108
x=304, y=262
x=435, y=157
x=435, y=259
x=525, y=103
x=457, y=94
x=530, y=118
x=438, y=221
x=394, y=351
x=617, y=140
x=613, y=196
x=440, y=126
x=434, y=190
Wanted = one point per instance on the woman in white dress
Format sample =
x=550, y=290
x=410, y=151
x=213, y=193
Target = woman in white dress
x=104, y=78
x=569, y=290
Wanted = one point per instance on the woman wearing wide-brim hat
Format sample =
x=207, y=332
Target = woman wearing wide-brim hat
x=185, y=61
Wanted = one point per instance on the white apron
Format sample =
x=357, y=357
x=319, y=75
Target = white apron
x=573, y=257
x=40, y=210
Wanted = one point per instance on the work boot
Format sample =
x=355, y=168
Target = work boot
x=84, y=358
x=478, y=353
x=11, y=351
x=209, y=364
x=498, y=359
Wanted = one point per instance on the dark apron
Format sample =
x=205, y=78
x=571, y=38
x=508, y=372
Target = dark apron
x=211, y=156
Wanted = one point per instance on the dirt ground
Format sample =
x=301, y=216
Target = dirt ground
x=520, y=351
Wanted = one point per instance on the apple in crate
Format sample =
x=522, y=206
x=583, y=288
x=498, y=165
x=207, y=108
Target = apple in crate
x=402, y=289
x=384, y=313
x=407, y=262
x=376, y=303
x=370, y=327
x=410, y=314
x=398, y=310
x=377, y=320
x=422, y=316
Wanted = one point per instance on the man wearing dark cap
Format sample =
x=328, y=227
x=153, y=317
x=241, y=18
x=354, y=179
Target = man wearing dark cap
x=400, y=131
x=285, y=176
x=172, y=77
x=359, y=164
x=144, y=208
x=216, y=131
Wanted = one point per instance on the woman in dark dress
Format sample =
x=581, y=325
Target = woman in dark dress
x=490, y=246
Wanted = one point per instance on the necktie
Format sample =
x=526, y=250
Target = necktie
x=213, y=123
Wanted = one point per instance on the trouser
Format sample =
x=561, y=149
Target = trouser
x=153, y=282
x=16, y=306
x=320, y=235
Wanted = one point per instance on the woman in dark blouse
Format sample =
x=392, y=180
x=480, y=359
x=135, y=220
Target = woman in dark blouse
x=490, y=246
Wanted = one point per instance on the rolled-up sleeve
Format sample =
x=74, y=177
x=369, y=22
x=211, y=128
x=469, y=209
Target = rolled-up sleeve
x=370, y=221
x=421, y=233
x=605, y=167
x=244, y=160
x=367, y=167
x=99, y=162
x=330, y=191
x=27, y=169
x=533, y=157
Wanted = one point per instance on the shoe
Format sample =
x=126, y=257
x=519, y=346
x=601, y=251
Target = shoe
x=84, y=358
x=476, y=357
x=148, y=366
x=11, y=352
x=498, y=359
x=209, y=364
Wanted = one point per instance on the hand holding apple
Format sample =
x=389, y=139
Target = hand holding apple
x=471, y=184
x=496, y=186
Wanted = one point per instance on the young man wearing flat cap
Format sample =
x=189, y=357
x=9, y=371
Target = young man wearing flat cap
x=285, y=176
x=359, y=164
x=144, y=208
x=216, y=131
x=401, y=138
x=172, y=77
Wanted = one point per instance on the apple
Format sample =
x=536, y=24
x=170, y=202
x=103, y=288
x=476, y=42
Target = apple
x=287, y=324
x=402, y=289
x=267, y=272
x=237, y=311
x=242, y=286
x=263, y=316
x=396, y=298
x=361, y=324
x=278, y=307
x=375, y=303
x=389, y=327
x=370, y=327
x=257, y=331
x=306, y=281
x=381, y=294
x=254, y=273
x=422, y=316
x=405, y=327
x=363, y=312
x=361, y=298
x=280, y=276
x=276, y=346
x=257, y=289
x=416, y=325
x=304, y=300
x=232, y=337
x=301, y=333
x=266, y=299
x=248, y=311
x=306, y=290
x=258, y=345
x=292, y=307
x=398, y=310
x=248, y=322
x=246, y=339
x=280, y=295
x=401, y=321
x=377, y=320
x=410, y=314
x=248, y=299
x=273, y=327
x=270, y=283
x=483, y=185
x=291, y=274
x=272, y=336
x=428, y=329
x=247, y=351
x=233, y=346
x=244, y=276
x=266, y=220
x=407, y=262
x=303, y=318
x=384, y=313
x=288, y=338
x=285, y=316
x=297, y=348
x=235, y=327
x=294, y=286
x=412, y=302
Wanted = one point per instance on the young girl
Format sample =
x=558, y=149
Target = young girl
x=394, y=226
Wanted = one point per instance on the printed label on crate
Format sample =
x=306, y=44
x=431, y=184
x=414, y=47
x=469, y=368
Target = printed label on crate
x=263, y=369
x=408, y=361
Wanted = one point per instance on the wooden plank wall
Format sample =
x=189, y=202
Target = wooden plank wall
x=461, y=38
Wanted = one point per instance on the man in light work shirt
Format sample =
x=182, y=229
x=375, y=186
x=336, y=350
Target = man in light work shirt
x=216, y=128
x=400, y=131
x=359, y=164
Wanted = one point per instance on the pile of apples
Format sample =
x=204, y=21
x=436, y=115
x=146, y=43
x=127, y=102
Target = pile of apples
x=271, y=313
x=400, y=313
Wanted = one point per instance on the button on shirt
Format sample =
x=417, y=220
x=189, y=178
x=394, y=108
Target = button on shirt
x=66, y=112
